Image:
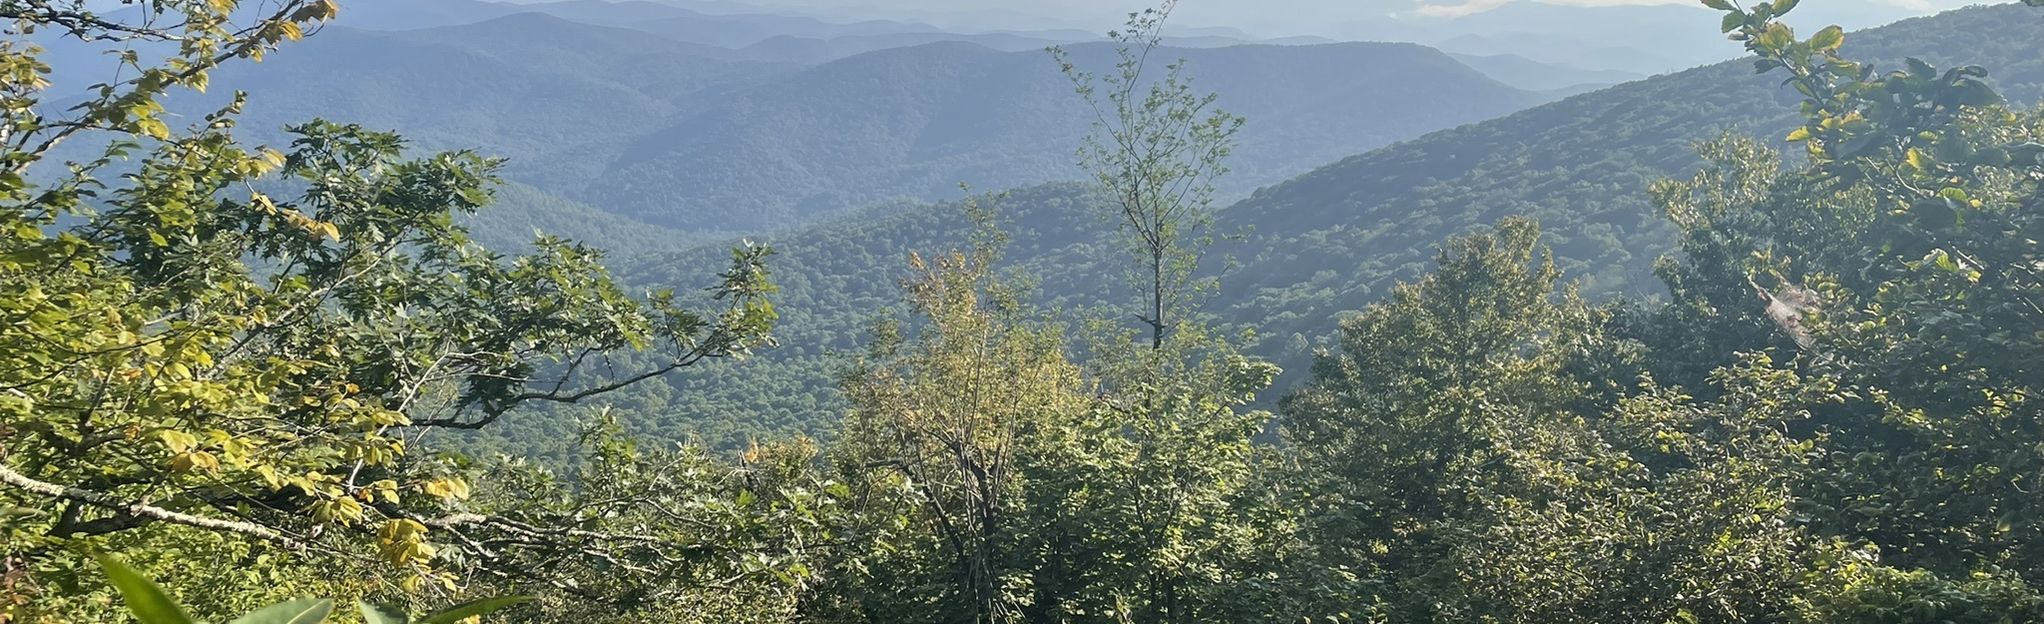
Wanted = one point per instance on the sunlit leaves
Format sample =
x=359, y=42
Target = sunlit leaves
x=151, y=605
x=449, y=488
x=241, y=338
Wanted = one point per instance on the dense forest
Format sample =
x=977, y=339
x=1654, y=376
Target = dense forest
x=1748, y=343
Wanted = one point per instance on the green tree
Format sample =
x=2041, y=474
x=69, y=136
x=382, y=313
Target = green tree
x=1908, y=252
x=941, y=425
x=1401, y=430
x=240, y=341
x=1175, y=437
x=636, y=532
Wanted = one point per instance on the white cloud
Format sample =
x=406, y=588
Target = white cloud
x=1459, y=10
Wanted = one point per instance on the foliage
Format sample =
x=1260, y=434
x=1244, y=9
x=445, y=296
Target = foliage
x=948, y=422
x=1805, y=438
x=1004, y=482
x=150, y=605
x=253, y=342
x=1828, y=418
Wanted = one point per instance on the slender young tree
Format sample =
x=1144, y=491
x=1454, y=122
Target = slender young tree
x=1156, y=148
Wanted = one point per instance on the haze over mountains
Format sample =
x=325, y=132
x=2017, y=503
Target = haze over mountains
x=665, y=125
x=662, y=130
x=697, y=118
x=1336, y=238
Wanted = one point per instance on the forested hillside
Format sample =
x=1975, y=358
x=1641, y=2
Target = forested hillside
x=1577, y=166
x=1311, y=250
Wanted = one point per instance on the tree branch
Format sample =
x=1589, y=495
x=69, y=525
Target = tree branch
x=141, y=510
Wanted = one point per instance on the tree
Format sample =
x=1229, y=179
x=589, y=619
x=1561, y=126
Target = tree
x=1155, y=151
x=940, y=426
x=1431, y=391
x=1468, y=455
x=253, y=343
x=635, y=532
x=1915, y=230
x=1177, y=437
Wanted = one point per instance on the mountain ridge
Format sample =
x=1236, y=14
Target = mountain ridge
x=1330, y=241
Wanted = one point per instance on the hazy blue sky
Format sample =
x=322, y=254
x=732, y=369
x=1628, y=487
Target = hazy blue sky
x=1270, y=16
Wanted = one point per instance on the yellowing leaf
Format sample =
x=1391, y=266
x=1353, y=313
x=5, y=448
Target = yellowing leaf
x=450, y=488
x=195, y=460
x=1917, y=160
x=177, y=441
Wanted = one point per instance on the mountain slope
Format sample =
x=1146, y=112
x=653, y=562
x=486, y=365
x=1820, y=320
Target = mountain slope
x=1641, y=38
x=1532, y=75
x=1324, y=244
x=790, y=49
x=1580, y=165
x=915, y=122
x=740, y=30
x=519, y=212
x=557, y=99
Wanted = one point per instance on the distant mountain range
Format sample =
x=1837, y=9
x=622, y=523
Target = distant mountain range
x=707, y=118
x=1333, y=240
x=1554, y=78
x=916, y=122
x=706, y=139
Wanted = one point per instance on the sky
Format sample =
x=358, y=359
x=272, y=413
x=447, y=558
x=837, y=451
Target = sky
x=1262, y=17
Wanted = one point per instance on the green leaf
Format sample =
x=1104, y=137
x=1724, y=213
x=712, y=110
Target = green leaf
x=1944, y=262
x=465, y=610
x=1828, y=39
x=378, y=614
x=145, y=599
x=1782, y=7
x=1920, y=69
x=1733, y=21
x=152, y=128
x=300, y=611
x=1721, y=5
